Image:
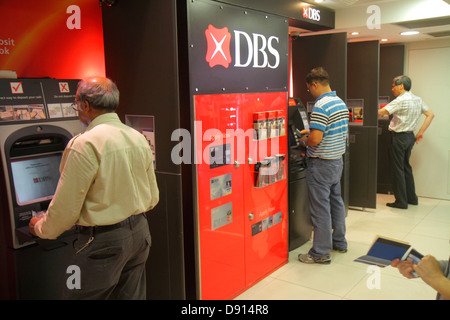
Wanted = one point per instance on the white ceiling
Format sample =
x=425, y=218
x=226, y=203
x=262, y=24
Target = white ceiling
x=352, y=16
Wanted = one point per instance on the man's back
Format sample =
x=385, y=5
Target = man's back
x=122, y=162
x=330, y=115
x=406, y=110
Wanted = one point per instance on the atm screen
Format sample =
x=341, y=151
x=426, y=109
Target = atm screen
x=35, y=177
x=304, y=119
x=298, y=117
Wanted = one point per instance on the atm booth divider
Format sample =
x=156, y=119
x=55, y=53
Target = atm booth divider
x=36, y=124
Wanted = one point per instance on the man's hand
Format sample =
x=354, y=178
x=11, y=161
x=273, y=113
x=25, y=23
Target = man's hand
x=419, y=138
x=304, y=132
x=32, y=223
x=405, y=267
x=429, y=269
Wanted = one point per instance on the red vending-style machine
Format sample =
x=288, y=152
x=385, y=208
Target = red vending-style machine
x=238, y=77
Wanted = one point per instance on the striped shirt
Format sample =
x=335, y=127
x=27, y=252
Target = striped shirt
x=406, y=109
x=330, y=115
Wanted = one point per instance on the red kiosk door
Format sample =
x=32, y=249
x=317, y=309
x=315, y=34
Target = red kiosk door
x=241, y=189
x=220, y=221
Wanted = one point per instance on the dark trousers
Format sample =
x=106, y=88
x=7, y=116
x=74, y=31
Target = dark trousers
x=401, y=170
x=112, y=266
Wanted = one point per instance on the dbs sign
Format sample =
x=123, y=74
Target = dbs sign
x=311, y=14
x=255, y=50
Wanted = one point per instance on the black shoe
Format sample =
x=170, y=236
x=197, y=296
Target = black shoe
x=396, y=205
x=414, y=203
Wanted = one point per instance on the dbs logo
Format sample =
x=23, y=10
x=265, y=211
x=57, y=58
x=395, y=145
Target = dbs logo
x=218, y=52
x=311, y=13
x=260, y=50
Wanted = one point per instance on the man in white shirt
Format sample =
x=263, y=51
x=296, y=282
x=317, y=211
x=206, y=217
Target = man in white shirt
x=107, y=182
x=406, y=110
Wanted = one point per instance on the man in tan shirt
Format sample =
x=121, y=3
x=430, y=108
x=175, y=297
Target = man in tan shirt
x=107, y=181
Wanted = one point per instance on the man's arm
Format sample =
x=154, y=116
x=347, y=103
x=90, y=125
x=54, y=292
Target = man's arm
x=64, y=210
x=426, y=123
x=429, y=269
x=314, y=138
x=382, y=112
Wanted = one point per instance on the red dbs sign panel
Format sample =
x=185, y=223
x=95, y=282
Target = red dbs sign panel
x=48, y=38
x=241, y=163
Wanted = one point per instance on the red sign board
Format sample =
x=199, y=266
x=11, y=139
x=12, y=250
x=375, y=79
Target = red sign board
x=47, y=38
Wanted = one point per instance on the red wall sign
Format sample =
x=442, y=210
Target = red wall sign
x=59, y=39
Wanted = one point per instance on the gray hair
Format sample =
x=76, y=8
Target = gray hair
x=101, y=93
x=404, y=80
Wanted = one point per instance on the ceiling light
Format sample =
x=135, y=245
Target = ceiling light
x=318, y=1
x=409, y=33
x=355, y=33
x=384, y=40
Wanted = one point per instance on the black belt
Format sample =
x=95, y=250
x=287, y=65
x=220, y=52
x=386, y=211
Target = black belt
x=322, y=158
x=402, y=132
x=131, y=221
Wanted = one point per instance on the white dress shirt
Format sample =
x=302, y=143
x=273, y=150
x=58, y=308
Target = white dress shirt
x=406, y=109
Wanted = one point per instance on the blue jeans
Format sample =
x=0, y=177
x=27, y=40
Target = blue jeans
x=326, y=205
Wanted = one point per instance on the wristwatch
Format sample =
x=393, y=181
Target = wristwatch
x=303, y=141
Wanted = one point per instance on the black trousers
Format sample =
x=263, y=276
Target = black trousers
x=112, y=265
x=401, y=170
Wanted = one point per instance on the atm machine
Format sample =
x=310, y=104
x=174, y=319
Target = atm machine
x=37, y=122
x=300, y=225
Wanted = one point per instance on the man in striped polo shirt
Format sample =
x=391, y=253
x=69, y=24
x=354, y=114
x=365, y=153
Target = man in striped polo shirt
x=326, y=144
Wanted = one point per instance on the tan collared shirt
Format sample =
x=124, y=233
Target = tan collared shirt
x=107, y=175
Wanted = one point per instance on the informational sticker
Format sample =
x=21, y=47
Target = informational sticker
x=220, y=186
x=221, y=216
x=145, y=124
x=266, y=223
x=277, y=218
x=256, y=228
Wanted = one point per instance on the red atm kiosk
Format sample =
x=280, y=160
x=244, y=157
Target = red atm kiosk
x=238, y=76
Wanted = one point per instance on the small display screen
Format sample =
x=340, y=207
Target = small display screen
x=35, y=177
x=304, y=119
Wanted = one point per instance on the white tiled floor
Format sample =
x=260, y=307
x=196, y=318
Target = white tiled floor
x=426, y=227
